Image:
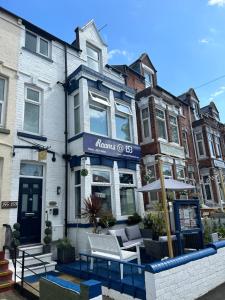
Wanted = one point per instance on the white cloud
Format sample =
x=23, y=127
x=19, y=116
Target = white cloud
x=118, y=52
x=216, y=2
x=217, y=93
x=204, y=41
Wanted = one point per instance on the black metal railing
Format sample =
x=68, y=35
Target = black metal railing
x=109, y=272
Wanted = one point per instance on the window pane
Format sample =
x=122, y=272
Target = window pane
x=101, y=176
x=93, y=64
x=167, y=170
x=31, y=118
x=200, y=148
x=2, y=89
x=76, y=100
x=77, y=202
x=126, y=178
x=104, y=194
x=145, y=113
x=180, y=173
x=173, y=120
x=208, y=192
x=77, y=120
x=161, y=129
x=98, y=121
x=146, y=128
x=77, y=177
x=160, y=114
x=127, y=201
x=1, y=117
x=31, y=169
x=43, y=47
x=32, y=95
x=174, y=133
x=199, y=136
x=35, y=202
x=24, y=202
x=31, y=41
x=92, y=53
x=123, y=108
x=122, y=128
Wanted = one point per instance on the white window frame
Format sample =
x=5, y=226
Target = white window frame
x=3, y=103
x=211, y=145
x=164, y=120
x=131, y=185
x=147, y=70
x=210, y=187
x=166, y=176
x=130, y=118
x=185, y=144
x=177, y=128
x=99, y=98
x=203, y=144
x=39, y=104
x=38, y=44
x=75, y=108
x=154, y=178
x=196, y=111
x=142, y=124
x=88, y=45
x=97, y=107
x=178, y=168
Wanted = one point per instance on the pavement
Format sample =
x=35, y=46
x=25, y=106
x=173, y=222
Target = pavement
x=216, y=294
x=11, y=295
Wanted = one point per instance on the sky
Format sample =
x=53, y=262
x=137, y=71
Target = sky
x=185, y=39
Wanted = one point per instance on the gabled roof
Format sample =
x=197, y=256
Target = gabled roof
x=91, y=23
x=141, y=58
x=208, y=108
x=191, y=92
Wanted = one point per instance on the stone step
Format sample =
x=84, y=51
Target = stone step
x=37, y=269
x=5, y=276
x=31, y=249
x=30, y=260
x=4, y=264
x=6, y=285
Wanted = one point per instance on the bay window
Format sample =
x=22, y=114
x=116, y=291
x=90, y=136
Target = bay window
x=123, y=122
x=76, y=114
x=200, y=144
x=207, y=187
x=174, y=129
x=77, y=193
x=167, y=171
x=127, y=196
x=99, y=114
x=211, y=145
x=218, y=147
x=93, y=58
x=32, y=110
x=161, y=124
x=180, y=173
x=2, y=100
x=101, y=188
x=185, y=143
x=145, y=123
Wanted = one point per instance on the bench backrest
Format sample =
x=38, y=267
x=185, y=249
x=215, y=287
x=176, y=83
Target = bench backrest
x=107, y=244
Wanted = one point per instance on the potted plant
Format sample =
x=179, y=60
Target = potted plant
x=134, y=219
x=91, y=210
x=107, y=221
x=48, y=237
x=84, y=172
x=15, y=240
x=147, y=231
x=65, y=251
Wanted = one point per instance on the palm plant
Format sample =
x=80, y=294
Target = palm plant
x=91, y=210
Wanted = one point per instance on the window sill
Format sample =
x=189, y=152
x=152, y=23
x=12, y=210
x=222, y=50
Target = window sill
x=39, y=55
x=32, y=136
x=4, y=131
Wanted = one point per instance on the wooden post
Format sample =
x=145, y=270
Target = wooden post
x=223, y=187
x=165, y=209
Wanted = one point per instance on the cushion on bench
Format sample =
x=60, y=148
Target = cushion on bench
x=133, y=232
x=119, y=232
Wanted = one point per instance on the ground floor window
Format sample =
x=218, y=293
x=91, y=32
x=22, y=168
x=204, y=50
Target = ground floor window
x=29, y=169
x=101, y=188
x=77, y=193
x=127, y=196
x=207, y=187
x=152, y=177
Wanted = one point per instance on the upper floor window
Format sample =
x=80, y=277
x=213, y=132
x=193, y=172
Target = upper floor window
x=196, y=112
x=180, y=173
x=211, y=145
x=185, y=143
x=123, y=122
x=200, y=144
x=161, y=124
x=76, y=114
x=145, y=123
x=32, y=110
x=167, y=171
x=93, y=58
x=218, y=147
x=174, y=129
x=2, y=100
x=37, y=44
x=148, y=78
x=98, y=115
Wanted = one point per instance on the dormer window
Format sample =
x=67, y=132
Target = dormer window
x=148, y=78
x=37, y=44
x=93, y=58
x=196, y=113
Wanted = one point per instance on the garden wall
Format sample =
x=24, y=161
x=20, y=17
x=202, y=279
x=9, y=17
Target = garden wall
x=188, y=276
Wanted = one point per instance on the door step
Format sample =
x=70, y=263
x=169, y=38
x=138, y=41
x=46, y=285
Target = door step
x=6, y=282
x=33, y=249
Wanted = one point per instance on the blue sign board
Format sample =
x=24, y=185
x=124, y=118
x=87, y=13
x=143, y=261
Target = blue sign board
x=109, y=147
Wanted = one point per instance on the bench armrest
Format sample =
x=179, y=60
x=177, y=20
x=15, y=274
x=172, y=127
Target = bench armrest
x=131, y=246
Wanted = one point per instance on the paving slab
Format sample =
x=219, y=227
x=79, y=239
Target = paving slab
x=216, y=294
x=11, y=295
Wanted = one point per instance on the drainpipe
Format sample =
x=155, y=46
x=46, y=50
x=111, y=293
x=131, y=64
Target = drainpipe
x=66, y=143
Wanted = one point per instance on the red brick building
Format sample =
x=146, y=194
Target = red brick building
x=164, y=126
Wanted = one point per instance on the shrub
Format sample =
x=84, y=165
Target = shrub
x=107, y=221
x=63, y=243
x=135, y=219
x=48, y=232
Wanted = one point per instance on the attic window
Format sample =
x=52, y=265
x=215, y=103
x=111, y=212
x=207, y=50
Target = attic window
x=148, y=78
x=93, y=58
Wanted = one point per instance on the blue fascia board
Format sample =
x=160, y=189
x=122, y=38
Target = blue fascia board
x=179, y=260
x=88, y=225
x=99, y=76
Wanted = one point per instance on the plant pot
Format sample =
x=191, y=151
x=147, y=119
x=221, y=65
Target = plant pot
x=146, y=233
x=66, y=255
x=47, y=248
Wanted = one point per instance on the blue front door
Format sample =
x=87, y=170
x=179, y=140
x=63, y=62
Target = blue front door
x=29, y=210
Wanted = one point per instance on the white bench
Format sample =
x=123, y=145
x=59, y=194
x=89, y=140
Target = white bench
x=107, y=246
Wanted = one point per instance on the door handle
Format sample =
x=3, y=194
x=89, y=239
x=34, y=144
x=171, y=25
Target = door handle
x=29, y=214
